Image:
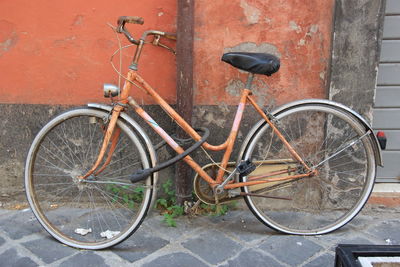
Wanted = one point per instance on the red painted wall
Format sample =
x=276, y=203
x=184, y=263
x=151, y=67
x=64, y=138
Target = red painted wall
x=299, y=31
x=57, y=52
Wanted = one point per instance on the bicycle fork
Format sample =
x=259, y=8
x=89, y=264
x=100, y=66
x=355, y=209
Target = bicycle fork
x=112, y=134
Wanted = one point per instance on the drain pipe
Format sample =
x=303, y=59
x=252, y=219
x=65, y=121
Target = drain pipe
x=184, y=91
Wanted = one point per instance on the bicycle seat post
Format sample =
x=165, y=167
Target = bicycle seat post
x=249, y=80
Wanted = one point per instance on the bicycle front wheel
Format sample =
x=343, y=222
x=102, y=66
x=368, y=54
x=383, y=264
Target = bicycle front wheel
x=327, y=139
x=103, y=209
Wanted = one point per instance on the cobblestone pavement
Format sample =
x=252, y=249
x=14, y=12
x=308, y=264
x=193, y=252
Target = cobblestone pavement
x=236, y=239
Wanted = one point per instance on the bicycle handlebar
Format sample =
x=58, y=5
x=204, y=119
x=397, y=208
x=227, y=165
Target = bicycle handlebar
x=171, y=36
x=139, y=20
x=128, y=19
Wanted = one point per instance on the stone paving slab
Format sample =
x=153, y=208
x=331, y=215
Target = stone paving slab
x=299, y=247
x=46, y=249
x=10, y=257
x=236, y=239
x=388, y=231
x=176, y=259
x=247, y=228
x=212, y=246
x=19, y=224
x=86, y=258
x=322, y=260
x=141, y=245
x=252, y=257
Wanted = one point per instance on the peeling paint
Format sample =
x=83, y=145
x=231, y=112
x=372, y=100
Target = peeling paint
x=8, y=36
x=333, y=91
x=217, y=120
x=72, y=75
x=260, y=89
x=64, y=42
x=322, y=75
x=314, y=28
x=223, y=107
x=293, y=25
x=268, y=20
x=234, y=87
x=251, y=12
x=78, y=20
x=51, y=111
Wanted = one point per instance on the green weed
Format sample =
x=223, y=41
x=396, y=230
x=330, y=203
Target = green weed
x=167, y=204
x=129, y=196
x=170, y=210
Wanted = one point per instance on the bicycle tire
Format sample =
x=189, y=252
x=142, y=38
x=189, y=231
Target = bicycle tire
x=327, y=201
x=108, y=203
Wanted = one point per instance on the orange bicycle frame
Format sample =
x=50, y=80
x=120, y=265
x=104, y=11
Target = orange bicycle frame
x=111, y=136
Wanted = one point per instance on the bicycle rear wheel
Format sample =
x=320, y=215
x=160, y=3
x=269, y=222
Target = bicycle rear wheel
x=100, y=211
x=331, y=141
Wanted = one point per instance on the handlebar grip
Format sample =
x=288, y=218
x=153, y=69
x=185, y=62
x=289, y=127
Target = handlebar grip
x=130, y=19
x=171, y=36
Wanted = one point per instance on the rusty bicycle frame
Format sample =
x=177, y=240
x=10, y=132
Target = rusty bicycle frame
x=112, y=132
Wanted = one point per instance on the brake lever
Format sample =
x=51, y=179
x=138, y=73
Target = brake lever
x=156, y=42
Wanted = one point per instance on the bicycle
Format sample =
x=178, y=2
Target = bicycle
x=306, y=168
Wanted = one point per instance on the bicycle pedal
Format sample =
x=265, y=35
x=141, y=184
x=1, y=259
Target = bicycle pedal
x=245, y=168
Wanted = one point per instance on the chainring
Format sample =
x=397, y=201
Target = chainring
x=203, y=190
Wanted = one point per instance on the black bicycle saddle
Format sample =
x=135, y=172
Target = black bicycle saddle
x=257, y=63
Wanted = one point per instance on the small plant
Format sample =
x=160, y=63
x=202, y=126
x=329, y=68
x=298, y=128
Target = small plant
x=214, y=210
x=128, y=195
x=168, y=205
x=173, y=212
x=170, y=210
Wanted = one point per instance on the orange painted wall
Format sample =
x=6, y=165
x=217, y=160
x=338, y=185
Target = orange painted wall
x=57, y=52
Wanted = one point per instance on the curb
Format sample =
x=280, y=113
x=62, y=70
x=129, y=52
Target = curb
x=387, y=199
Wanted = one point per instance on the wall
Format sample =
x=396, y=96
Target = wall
x=355, y=57
x=355, y=53
x=57, y=52
x=290, y=29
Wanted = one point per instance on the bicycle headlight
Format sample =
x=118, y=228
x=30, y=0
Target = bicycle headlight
x=110, y=90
